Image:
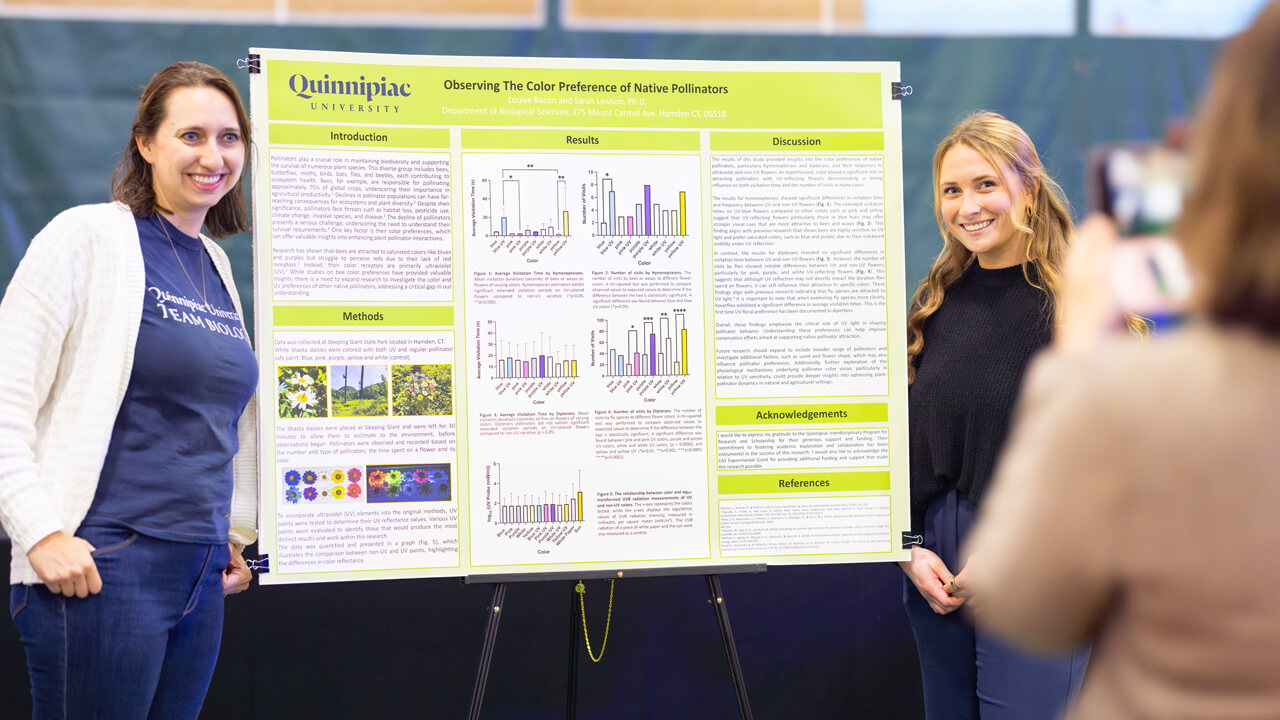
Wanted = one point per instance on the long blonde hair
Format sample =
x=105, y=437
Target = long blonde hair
x=1044, y=220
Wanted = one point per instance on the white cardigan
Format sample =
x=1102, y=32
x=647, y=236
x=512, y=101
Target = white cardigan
x=70, y=319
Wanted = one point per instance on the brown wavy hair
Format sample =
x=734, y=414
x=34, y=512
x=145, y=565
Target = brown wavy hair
x=1230, y=231
x=132, y=183
x=1044, y=220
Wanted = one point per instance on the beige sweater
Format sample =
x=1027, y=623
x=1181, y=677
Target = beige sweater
x=1136, y=505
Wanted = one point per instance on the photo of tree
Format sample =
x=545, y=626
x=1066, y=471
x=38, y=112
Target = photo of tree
x=358, y=390
x=302, y=391
x=421, y=390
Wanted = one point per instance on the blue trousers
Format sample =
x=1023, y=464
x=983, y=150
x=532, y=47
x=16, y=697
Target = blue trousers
x=968, y=674
x=144, y=647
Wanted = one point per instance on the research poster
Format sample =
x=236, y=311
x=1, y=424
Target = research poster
x=528, y=315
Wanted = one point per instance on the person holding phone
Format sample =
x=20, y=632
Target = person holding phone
x=1144, y=477
x=986, y=306
x=128, y=466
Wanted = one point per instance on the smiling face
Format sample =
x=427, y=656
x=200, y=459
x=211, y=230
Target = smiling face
x=977, y=203
x=196, y=154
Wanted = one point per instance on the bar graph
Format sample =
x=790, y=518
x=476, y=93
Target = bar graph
x=526, y=202
x=652, y=211
x=564, y=506
x=656, y=346
x=527, y=357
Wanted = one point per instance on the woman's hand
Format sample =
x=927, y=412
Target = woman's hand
x=236, y=576
x=64, y=563
x=1086, y=307
x=959, y=587
x=931, y=577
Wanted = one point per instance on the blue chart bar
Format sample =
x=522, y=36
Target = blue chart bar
x=656, y=349
x=650, y=219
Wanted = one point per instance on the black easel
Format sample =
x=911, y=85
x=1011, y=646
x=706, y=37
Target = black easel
x=712, y=576
x=730, y=648
x=486, y=650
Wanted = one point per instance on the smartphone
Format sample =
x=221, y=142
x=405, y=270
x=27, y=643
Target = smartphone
x=1141, y=186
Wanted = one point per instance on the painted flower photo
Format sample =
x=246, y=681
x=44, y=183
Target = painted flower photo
x=302, y=391
x=421, y=390
x=358, y=390
x=408, y=483
x=305, y=486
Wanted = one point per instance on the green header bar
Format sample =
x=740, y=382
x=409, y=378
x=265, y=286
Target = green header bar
x=362, y=316
x=337, y=92
x=796, y=142
x=352, y=136
x=790, y=483
x=579, y=140
x=801, y=414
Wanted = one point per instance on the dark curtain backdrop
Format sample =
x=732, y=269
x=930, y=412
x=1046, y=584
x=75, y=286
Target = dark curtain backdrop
x=815, y=641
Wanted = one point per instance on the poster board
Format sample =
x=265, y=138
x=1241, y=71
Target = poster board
x=529, y=315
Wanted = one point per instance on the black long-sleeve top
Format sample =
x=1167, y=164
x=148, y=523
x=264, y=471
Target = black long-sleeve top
x=976, y=347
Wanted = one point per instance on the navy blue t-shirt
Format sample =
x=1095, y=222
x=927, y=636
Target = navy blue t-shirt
x=167, y=472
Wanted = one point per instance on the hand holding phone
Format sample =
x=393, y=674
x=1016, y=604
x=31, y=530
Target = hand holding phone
x=1140, y=187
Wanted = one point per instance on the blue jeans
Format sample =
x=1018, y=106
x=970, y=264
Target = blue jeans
x=144, y=647
x=966, y=673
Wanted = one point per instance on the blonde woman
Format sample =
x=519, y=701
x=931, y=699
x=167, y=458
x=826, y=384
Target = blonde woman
x=986, y=306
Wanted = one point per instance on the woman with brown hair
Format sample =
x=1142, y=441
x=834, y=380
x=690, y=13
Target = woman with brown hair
x=1141, y=478
x=127, y=440
x=987, y=305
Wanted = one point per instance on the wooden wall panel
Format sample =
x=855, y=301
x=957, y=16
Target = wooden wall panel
x=522, y=13
x=418, y=7
x=851, y=12
x=67, y=7
x=668, y=11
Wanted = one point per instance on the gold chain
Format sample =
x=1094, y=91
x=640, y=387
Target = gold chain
x=203, y=288
x=582, y=602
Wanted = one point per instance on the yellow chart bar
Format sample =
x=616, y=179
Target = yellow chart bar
x=684, y=351
x=579, y=506
x=575, y=368
x=566, y=223
x=683, y=224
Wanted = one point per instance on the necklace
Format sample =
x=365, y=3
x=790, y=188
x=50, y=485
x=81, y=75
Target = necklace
x=202, y=287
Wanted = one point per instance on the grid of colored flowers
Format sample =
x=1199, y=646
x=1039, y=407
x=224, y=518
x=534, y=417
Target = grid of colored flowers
x=408, y=482
x=309, y=486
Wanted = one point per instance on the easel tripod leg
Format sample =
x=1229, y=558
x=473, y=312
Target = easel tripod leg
x=730, y=648
x=571, y=693
x=486, y=651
